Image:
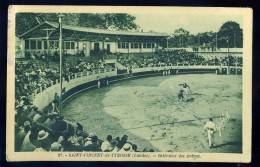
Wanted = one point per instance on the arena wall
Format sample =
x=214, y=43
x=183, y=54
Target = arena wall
x=81, y=82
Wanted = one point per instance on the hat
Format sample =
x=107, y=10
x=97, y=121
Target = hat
x=42, y=135
x=53, y=114
x=127, y=147
x=56, y=146
x=88, y=143
x=26, y=123
x=90, y=135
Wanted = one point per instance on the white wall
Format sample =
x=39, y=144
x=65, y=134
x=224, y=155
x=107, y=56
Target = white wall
x=44, y=98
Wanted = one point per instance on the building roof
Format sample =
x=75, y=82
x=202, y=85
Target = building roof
x=99, y=31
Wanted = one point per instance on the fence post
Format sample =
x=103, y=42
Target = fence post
x=57, y=81
x=40, y=88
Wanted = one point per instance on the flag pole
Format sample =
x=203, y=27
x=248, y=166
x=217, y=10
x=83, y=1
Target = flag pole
x=60, y=48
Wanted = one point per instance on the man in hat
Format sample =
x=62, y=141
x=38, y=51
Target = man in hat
x=56, y=147
x=121, y=142
x=27, y=145
x=106, y=145
x=66, y=144
x=45, y=144
x=210, y=128
x=126, y=148
x=94, y=146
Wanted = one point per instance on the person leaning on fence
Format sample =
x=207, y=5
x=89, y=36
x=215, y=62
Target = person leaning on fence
x=210, y=127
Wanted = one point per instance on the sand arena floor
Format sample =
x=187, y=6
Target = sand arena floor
x=149, y=112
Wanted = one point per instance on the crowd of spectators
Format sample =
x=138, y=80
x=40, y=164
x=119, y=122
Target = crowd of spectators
x=45, y=131
x=178, y=57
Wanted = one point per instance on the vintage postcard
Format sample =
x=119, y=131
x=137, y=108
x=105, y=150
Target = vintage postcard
x=102, y=83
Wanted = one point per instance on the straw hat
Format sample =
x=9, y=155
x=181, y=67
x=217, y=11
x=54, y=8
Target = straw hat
x=127, y=147
x=26, y=123
x=42, y=135
x=90, y=136
x=56, y=146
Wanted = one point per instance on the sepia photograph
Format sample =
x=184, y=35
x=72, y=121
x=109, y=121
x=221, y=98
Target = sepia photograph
x=129, y=84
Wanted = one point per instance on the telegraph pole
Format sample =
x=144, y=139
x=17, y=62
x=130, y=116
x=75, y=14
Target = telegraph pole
x=228, y=69
x=60, y=103
x=235, y=40
x=216, y=41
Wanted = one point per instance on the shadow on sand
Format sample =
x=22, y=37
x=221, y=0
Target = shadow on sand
x=190, y=100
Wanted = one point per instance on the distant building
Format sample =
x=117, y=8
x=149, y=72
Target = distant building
x=88, y=41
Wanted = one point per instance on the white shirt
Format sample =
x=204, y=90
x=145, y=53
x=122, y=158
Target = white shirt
x=210, y=125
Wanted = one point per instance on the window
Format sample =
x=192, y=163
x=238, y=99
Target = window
x=127, y=45
x=27, y=46
x=45, y=45
x=33, y=44
x=119, y=46
x=136, y=45
x=153, y=45
x=140, y=45
x=67, y=45
x=149, y=45
x=56, y=44
x=51, y=45
x=132, y=45
x=96, y=46
x=123, y=45
x=144, y=45
x=39, y=45
x=72, y=45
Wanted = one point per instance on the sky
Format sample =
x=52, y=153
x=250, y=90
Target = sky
x=192, y=23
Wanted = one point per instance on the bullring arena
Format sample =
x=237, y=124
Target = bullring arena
x=149, y=112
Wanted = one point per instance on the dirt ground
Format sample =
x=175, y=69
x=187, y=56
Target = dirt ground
x=149, y=112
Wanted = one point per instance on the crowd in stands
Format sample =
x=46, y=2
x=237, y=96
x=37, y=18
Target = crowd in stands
x=174, y=57
x=46, y=131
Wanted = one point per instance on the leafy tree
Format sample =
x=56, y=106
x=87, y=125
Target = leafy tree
x=119, y=21
x=207, y=39
x=230, y=34
x=180, y=38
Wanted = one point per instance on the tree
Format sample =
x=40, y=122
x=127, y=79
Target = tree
x=114, y=21
x=118, y=21
x=180, y=37
x=230, y=35
x=26, y=21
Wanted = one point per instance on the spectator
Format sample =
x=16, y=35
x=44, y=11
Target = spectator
x=126, y=148
x=122, y=142
x=94, y=146
x=106, y=145
x=66, y=144
x=44, y=142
